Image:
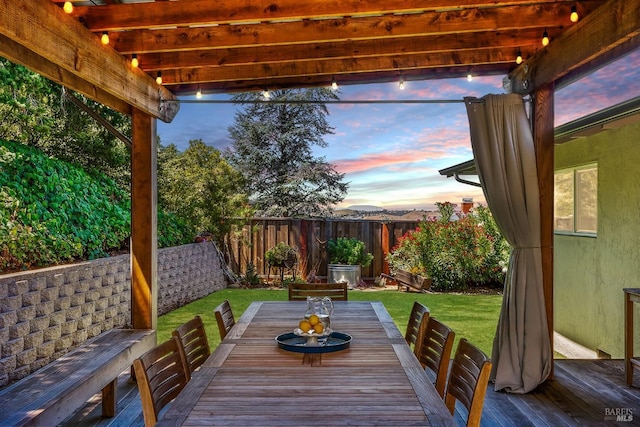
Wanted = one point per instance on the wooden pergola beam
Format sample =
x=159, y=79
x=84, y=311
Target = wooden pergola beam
x=457, y=22
x=612, y=26
x=528, y=41
x=200, y=12
x=58, y=47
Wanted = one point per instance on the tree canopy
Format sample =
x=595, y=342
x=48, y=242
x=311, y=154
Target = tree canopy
x=272, y=146
x=199, y=186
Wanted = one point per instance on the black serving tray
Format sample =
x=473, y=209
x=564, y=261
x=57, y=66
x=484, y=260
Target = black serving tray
x=335, y=342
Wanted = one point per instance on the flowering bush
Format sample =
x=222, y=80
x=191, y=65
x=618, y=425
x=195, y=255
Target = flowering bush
x=455, y=254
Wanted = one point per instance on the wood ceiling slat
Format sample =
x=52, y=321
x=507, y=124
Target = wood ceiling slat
x=337, y=67
x=204, y=12
x=276, y=82
x=510, y=41
x=457, y=22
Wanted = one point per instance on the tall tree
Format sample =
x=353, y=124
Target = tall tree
x=200, y=187
x=272, y=147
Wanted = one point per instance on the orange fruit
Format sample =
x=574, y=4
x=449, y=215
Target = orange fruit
x=318, y=328
x=304, y=325
x=314, y=320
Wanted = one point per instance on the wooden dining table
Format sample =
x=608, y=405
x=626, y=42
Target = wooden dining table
x=249, y=381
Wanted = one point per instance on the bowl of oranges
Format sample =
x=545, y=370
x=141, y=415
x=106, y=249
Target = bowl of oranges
x=312, y=328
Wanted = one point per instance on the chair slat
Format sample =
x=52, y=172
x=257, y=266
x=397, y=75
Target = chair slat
x=335, y=291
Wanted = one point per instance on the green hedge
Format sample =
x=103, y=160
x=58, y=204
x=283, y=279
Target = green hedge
x=54, y=212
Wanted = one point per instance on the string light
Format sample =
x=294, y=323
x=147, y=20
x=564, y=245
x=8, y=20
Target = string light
x=199, y=93
x=469, y=77
x=134, y=60
x=105, y=38
x=334, y=84
x=68, y=7
x=574, y=14
x=519, y=57
x=159, y=78
x=545, y=38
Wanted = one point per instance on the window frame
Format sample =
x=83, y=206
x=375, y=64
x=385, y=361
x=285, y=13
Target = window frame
x=575, y=170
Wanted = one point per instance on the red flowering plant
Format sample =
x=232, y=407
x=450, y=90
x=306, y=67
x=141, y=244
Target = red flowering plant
x=456, y=254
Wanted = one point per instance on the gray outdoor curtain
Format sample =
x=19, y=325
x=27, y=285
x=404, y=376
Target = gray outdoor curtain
x=505, y=159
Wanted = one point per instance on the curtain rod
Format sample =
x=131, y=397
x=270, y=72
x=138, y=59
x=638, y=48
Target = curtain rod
x=341, y=101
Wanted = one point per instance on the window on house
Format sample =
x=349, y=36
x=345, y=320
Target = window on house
x=576, y=200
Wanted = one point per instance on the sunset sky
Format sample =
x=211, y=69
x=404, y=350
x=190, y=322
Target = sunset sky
x=391, y=153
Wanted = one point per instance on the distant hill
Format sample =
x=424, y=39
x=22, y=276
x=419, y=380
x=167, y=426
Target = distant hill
x=365, y=208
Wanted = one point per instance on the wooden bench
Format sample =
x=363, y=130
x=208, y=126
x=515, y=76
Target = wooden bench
x=53, y=393
x=409, y=280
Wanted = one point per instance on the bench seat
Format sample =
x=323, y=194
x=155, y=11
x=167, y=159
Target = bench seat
x=53, y=393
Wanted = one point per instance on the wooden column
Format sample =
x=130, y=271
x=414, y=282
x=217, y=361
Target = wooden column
x=144, y=233
x=543, y=134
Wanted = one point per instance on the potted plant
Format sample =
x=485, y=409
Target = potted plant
x=281, y=256
x=346, y=258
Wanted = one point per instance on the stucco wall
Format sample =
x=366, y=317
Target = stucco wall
x=590, y=273
x=45, y=313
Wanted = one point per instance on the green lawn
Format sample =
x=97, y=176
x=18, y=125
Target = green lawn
x=471, y=316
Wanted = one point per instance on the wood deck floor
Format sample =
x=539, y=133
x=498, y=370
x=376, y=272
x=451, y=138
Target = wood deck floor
x=580, y=395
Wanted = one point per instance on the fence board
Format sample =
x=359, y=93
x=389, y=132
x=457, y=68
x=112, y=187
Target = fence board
x=261, y=234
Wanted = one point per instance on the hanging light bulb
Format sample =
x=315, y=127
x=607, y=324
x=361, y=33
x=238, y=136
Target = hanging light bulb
x=469, y=77
x=334, y=84
x=199, y=93
x=401, y=83
x=67, y=7
x=105, y=38
x=574, y=14
x=545, y=38
x=134, y=60
x=519, y=57
x=159, y=78
x=266, y=94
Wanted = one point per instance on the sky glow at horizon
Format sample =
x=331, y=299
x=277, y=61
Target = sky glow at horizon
x=391, y=153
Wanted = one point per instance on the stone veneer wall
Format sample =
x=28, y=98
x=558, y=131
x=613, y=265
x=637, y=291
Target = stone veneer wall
x=46, y=313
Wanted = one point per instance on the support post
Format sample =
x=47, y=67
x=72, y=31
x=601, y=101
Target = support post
x=144, y=233
x=543, y=135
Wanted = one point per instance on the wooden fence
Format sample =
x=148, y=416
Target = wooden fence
x=310, y=237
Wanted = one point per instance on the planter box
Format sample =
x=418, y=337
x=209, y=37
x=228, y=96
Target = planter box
x=338, y=273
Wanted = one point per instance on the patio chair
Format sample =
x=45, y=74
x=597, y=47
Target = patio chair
x=193, y=343
x=468, y=381
x=433, y=349
x=161, y=374
x=224, y=317
x=418, y=311
x=335, y=291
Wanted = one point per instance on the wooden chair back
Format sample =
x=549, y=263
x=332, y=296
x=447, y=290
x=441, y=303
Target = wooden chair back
x=161, y=374
x=418, y=311
x=335, y=291
x=468, y=381
x=224, y=317
x=433, y=349
x=193, y=343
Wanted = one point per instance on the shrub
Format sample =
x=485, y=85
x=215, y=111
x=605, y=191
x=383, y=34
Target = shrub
x=53, y=212
x=349, y=251
x=455, y=254
x=281, y=255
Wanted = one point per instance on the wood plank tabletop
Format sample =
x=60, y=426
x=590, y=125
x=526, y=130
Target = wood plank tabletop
x=248, y=380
